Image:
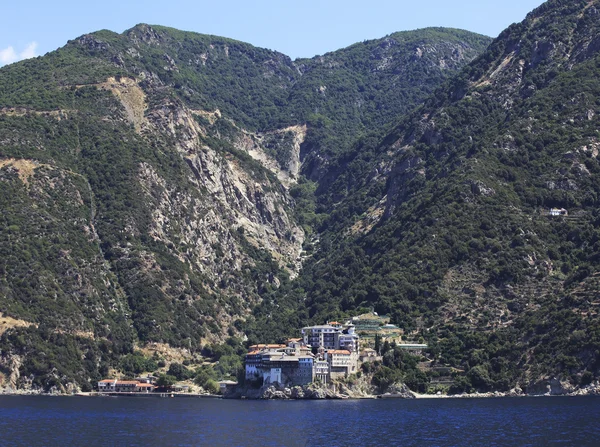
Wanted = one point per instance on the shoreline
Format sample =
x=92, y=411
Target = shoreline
x=590, y=390
x=112, y=394
x=417, y=396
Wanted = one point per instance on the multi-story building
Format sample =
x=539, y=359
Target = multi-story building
x=253, y=363
x=341, y=362
x=348, y=339
x=282, y=366
x=336, y=346
x=325, y=336
x=322, y=370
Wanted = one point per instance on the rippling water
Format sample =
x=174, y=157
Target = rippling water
x=78, y=421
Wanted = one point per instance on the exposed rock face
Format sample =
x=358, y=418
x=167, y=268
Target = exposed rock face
x=145, y=181
x=550, y=387
x=311, y=391
x=132, y=97
x=236, y=197
x=400, y=390
x=278, y=151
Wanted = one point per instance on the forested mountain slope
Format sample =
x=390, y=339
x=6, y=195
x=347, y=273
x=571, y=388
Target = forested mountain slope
x=148, y=185
x=444, y=224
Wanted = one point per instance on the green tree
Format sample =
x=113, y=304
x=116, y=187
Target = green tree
x=166, y=381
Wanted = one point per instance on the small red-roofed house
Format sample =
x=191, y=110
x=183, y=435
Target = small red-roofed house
x=145, y=388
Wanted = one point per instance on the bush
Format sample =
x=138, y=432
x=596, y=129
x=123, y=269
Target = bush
x=212, y=387
x=204, y=375
x=179, y=371
x=166, y=381
x=385, y=377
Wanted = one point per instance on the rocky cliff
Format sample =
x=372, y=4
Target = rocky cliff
x=449, y=228
x=146, y=186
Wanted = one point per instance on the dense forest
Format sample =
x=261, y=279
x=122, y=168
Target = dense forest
x=444, y=224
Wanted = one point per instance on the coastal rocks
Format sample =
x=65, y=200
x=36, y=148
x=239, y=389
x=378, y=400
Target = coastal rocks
x=21, y=391
x=298, y=393
x=515, y=392
x=400, y=390
x=317, y=393
x=273, y=392
x=12, y=365
x=593, y=389
x=550, y=387
x=279, y=392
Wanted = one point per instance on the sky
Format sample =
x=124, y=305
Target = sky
x=298, y=28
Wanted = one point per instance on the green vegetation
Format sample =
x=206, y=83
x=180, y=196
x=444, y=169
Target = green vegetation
x=463, y=254
x=166, y=381
x=424, y=186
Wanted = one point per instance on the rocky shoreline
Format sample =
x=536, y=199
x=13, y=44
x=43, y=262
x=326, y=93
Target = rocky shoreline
x=551, y=388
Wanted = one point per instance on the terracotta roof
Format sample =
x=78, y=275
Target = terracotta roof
x=107, y=381
x=253, y=353
x=338, y=351
x=253, y=347
x=146, y=385
x=127, y=382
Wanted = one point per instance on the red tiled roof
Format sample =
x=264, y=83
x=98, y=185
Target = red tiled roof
x=253, y=347
x=338, y=351
x=107, y=381
x=146, y=385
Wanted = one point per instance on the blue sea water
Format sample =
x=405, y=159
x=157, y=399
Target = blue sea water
x=80, y=421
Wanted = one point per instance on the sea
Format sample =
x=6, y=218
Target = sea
x=138, y=421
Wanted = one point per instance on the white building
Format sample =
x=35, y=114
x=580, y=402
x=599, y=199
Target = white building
x=124, y=386
x=325, y=336
x=348, y=340
x=322, y=370
x=253, y=365
x=288, y=365
x=341, y=362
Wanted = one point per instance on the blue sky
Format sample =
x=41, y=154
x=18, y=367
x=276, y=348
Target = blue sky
x=297, y=28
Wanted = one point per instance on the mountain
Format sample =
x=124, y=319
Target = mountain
x=158, y=185
x=445, y=224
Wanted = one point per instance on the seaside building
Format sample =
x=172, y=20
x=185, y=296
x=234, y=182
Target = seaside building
x=325, y=336
x=144, y=388
x=148, y=379
x=348, y=339
x=124, y=386
x=287, y=365
x=341, y=362
x=253, y=363
x=286, y=369
x=322, y=371
x=337, y=355
x=227, y=385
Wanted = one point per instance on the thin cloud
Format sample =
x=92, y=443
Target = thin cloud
x=9, y=55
